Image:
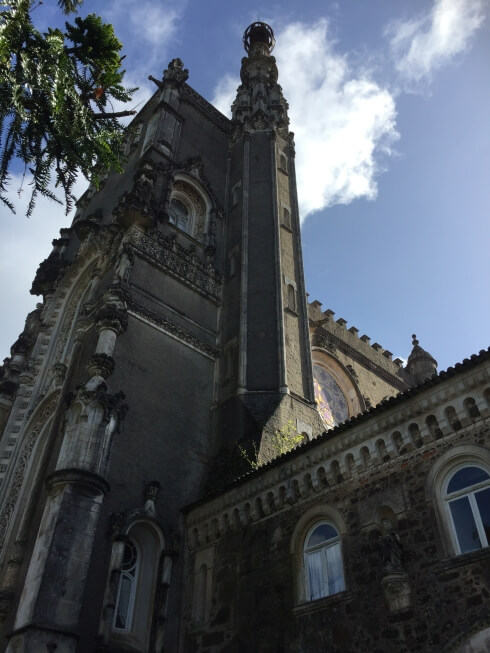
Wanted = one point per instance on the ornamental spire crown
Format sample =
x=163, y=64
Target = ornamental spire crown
x=259, y=103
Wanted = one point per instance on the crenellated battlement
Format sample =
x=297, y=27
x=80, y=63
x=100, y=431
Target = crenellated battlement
x=371, y=365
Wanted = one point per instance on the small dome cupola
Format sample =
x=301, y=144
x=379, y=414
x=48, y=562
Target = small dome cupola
x=258, y=38
x=421, y=365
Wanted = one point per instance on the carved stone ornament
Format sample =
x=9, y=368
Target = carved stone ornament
x=84, y=226
x=101, y=365
x=116, y=523
x=182, y=263
x=391, y=551
x=321, y=339
x=21, y=346
x=58, y=372
x=352, y=372
x=48, y=274
x=397, y=592
x=152, y=490
x=176, y=74
x=140, y=204
x=110, y=317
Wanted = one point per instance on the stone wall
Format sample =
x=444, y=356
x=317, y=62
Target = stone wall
x=253, y=536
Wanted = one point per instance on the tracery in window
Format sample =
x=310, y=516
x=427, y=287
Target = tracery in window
x=189, y=210
x=324, y=574
x=126, y=588
x=467, y=496
x=179, y=215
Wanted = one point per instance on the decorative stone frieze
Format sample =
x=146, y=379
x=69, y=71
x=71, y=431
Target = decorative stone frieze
x=181, y=263
x=177, y=332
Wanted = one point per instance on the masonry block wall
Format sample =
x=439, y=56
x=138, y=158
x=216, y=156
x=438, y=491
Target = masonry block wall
x=254, y=535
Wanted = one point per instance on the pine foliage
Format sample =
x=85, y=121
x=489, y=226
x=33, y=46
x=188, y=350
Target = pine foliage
x=56, y=92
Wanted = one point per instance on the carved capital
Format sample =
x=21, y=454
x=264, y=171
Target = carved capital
x=101, y=365
x=110, y=317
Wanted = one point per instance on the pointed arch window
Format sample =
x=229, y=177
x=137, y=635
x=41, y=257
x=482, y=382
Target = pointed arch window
x=323, y=562
x=467, y=497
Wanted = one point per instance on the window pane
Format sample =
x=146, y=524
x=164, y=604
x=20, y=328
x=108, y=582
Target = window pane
x=316, y=574
x=322, y=533
x=334, y=568
x=465, y=526
x=483, y=503
x=466, y=477
x=123, y=598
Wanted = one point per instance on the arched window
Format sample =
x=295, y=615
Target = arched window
x=467, y=498
x=323, y=562
x=180, y=215
x=126, y=588
x=189, y=209
x=140, y=571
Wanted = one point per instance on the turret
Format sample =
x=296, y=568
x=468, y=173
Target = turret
x=420, y=365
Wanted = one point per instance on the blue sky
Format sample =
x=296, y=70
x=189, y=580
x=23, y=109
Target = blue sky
x=389, y=102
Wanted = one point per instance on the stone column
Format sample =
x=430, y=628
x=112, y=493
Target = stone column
x=56, y=577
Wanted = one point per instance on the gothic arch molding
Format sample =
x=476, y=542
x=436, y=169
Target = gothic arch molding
x=22, y=471
x=342, y=379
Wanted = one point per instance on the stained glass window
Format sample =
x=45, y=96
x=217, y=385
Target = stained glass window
x=330, y=399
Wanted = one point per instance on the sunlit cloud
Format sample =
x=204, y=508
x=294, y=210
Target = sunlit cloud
x=424, y=44
x=344, y=122
x=24, y=243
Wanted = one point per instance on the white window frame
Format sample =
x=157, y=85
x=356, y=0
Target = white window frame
x=469, y=492
x=132, y=595
x=189, y=227
x=324, y=547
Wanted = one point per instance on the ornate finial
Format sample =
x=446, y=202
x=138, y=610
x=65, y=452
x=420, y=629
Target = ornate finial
x=414, y=339
x=175, y=74
x=261, y=35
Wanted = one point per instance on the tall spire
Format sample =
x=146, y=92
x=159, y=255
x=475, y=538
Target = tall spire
x=259, y=103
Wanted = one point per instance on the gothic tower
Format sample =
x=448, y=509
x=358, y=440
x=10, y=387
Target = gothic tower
x=266, y=378
x=173, y=325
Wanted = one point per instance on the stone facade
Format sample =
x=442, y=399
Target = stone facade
x=173, y=352
x=253, y=535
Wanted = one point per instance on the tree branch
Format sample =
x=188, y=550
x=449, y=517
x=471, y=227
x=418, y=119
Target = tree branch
x=115, y=114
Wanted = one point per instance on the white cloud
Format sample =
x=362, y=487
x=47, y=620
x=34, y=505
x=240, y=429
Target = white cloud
x=24, y=243
x=424, y=44
x=344, y=122
x=145, y=28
